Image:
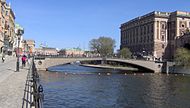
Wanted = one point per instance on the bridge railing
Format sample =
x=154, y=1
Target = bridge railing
x=33, y=93
x=65, y=56
x=62, y=56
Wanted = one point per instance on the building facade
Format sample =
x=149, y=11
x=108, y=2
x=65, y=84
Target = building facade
x=18, y=41
x=2, y=25
x=7, y=28
x=74, y=52
x=28, y=47
x=154, y=34
x=9, y=34
x=46, y=51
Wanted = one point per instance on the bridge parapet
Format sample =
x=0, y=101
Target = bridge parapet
x=43, y=64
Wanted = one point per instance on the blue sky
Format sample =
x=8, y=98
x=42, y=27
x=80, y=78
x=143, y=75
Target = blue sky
x=73, y=23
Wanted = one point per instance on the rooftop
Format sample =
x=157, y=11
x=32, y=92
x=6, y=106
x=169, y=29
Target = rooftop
x=159, y=14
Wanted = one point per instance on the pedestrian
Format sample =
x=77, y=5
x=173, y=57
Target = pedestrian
x=3, y=58
x=24, y=60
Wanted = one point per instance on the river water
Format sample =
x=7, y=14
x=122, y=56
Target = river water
x=73, y=86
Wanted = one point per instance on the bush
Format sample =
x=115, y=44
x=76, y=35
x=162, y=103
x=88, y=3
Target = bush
x=182, y=57
x=125, y=53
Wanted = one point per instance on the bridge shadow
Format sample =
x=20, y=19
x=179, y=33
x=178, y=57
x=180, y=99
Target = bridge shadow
x=119, y=64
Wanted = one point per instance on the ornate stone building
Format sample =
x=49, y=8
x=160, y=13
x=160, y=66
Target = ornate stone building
x=7, y=28
x=28, y=46
x=2, y=24
x=154, y=34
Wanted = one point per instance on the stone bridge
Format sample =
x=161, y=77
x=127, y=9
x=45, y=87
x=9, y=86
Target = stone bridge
x=43, y=64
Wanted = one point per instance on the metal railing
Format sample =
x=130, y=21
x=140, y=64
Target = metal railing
x=33, y=93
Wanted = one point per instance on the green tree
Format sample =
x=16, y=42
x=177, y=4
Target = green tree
x=103, y=45
x=125, y=53
x=182, y=57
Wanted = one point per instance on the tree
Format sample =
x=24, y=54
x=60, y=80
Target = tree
x=187, y=46
x=125, y=53
x=182, y=57
x=103, y=45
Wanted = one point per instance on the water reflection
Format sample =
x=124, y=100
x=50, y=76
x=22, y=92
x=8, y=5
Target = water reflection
x=82, y=90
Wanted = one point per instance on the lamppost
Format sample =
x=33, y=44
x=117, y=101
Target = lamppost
x=20, y=32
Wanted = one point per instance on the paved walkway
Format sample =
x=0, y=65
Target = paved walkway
x=11, y=84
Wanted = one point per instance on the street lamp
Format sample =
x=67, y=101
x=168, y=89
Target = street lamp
x=19, y=33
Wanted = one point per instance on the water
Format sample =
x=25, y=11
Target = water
x=82, y=87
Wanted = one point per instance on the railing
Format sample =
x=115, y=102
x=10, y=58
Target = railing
x=61, y=56
x=33, y=93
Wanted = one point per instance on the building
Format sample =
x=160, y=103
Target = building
x=7, y=28
x=74, y=52
x=9, y=34
x=18, y=41
x=2, y=25
x=46, y=51
x=153, y=35
x=28, y=46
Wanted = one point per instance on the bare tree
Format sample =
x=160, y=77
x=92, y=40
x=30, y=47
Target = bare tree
x=103, y=45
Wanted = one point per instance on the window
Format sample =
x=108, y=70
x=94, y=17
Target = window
x=7, y=13
x=152, y=38
x=2, y=9
x=144, y=29
x=157, y=23
x=163, y=26
x=148, y=28
x=152, y=28
x=182, y=25
x=163, y=45
x=136, y=31
x=162, y=37
x=141, y=40
x=137, y=40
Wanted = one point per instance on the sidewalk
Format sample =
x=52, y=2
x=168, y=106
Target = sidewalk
x=11, y=84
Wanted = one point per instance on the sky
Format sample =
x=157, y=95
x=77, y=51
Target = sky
x=73, y=23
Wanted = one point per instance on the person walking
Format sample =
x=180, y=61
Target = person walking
x=3, y=58
x=24, y=60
